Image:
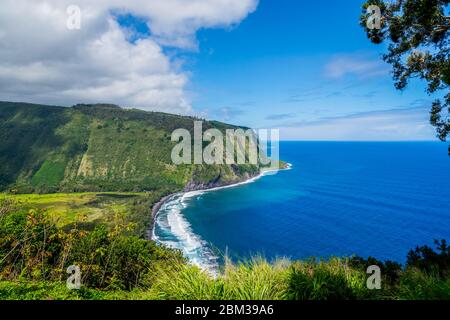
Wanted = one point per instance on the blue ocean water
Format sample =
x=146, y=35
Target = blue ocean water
x=340, y=198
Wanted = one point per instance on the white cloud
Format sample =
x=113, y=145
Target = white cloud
x=396, y=124
x=357, y=65
x=41, y=60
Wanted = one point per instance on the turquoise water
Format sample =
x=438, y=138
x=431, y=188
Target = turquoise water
x=340, y=198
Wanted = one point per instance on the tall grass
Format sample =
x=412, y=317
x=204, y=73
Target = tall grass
x=183, y=282
x=258, y=279
x=331, y=280
x=416, y=285
x=253, y=280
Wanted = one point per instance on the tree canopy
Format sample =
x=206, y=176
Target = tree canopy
x=417, y=35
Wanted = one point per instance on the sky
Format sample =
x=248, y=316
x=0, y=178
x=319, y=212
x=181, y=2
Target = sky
x=305, y=67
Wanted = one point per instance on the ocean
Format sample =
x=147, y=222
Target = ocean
x=375, y=199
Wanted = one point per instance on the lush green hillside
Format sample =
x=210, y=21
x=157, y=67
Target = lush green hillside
x=98, y=148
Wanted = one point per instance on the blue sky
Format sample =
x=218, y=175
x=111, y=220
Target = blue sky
x=304, y=66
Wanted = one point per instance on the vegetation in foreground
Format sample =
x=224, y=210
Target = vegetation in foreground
x=116, y=264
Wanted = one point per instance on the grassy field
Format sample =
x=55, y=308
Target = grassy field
x=89, y=208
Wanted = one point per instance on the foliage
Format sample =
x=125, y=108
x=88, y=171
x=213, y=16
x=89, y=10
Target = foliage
x=332, y=280
x=429, y=261
x=97, y=148
x=335, y=279
x=256, y=279
x=390, y=270
x=253, y=280
x=43, y=290
x=116, y=264
x=50, y=174
x=33, y=248
x=417, y=285
x=88, y=210
x=417, y=32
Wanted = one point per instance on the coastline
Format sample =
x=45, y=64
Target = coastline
x=188, y=192
x=155, y=209
x=157, y=206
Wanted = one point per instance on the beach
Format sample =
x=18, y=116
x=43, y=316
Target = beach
x=176, y=232
x=157, y=206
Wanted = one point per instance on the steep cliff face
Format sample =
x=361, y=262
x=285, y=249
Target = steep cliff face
x=100, y=148
x=220, y=176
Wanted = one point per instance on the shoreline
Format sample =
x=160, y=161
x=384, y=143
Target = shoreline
x=155, y=209
x=189, y=193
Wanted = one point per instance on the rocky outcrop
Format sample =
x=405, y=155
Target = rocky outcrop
x=216, y=183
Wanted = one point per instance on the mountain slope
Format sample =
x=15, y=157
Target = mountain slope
x=99, y=148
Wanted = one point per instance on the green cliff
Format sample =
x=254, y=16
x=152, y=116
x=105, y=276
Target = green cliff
x=99, y=148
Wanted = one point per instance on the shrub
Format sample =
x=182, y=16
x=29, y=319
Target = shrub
x=390, y=270
x=33, y=248
x=426, y=259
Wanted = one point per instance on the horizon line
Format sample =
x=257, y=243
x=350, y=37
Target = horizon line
x=300, y=140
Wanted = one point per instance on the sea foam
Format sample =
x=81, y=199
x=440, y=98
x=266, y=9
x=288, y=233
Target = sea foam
x=173, y=230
